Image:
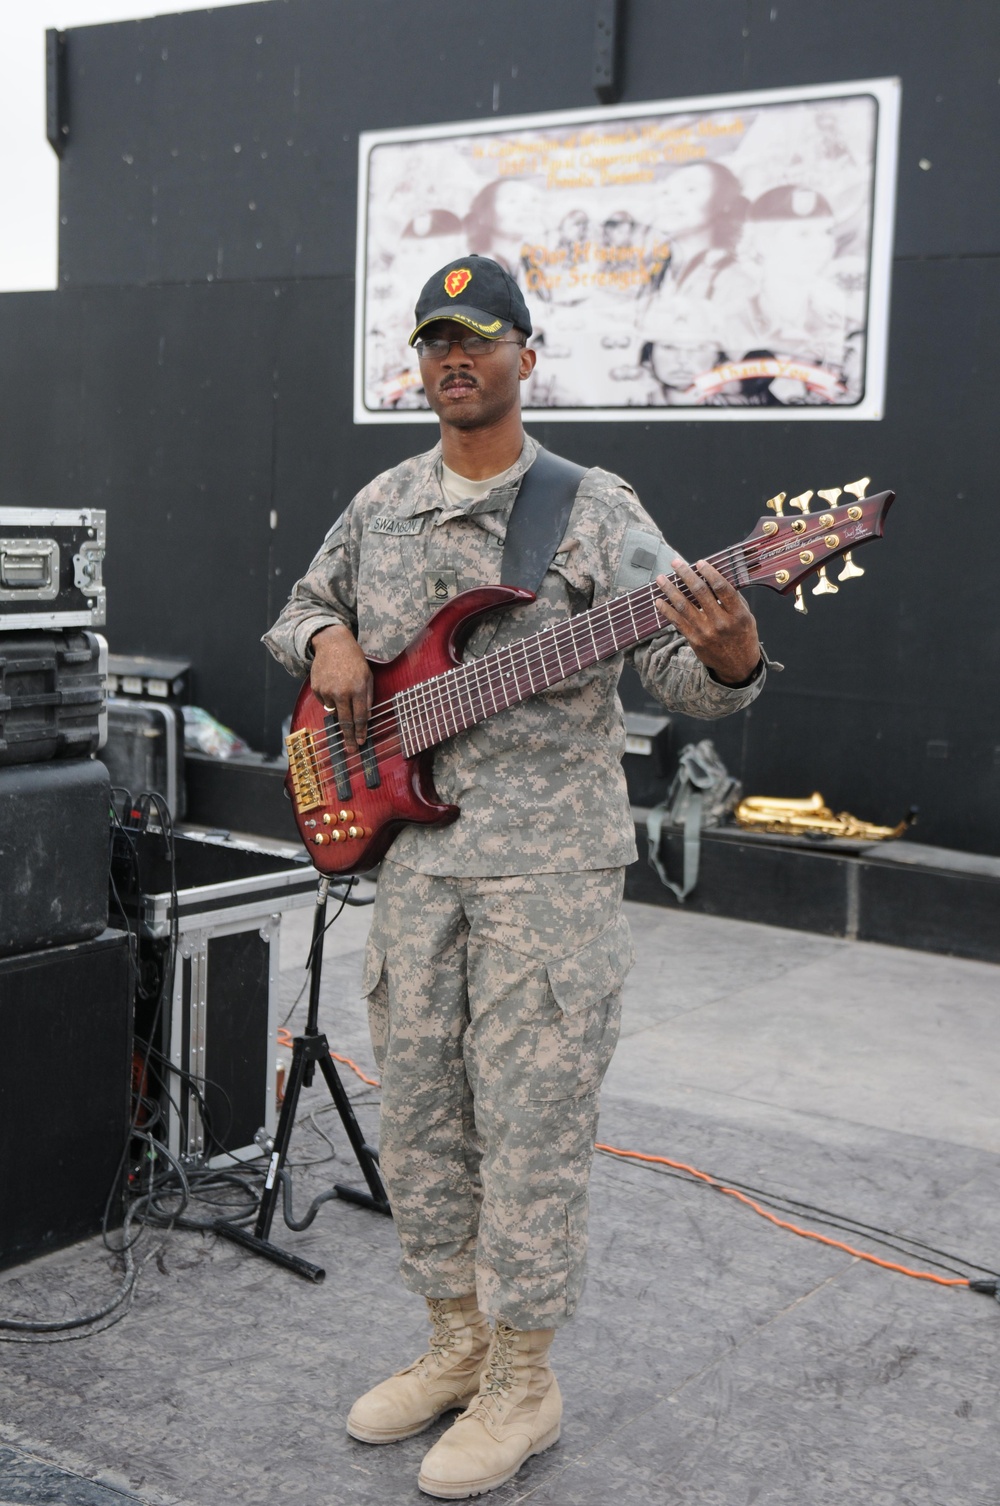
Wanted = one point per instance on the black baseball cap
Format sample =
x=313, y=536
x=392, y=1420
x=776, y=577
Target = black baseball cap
x=474, y=291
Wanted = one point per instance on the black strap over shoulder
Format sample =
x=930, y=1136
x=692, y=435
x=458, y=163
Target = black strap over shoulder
x=538, y=519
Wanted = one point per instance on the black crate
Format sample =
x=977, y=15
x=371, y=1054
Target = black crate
x=54, y=842
x=65, y=1087
x=51, y=567
x=51, y=695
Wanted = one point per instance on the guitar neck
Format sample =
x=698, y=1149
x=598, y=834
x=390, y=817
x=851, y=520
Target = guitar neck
x=434, y=710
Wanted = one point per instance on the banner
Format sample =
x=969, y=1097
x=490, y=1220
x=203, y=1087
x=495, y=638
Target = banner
x=715, y=258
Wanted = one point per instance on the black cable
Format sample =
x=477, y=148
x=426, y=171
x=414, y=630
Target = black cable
x=344, y=900
x=840, y=1222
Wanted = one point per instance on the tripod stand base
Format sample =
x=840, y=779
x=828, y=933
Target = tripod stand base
x=363, y=1199
x=264, y=1247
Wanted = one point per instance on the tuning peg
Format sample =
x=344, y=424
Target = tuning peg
x=858, y=488
x=775, y=504
x=830, y=495
x=801, y=501
x=824, y=587
x=800, y=602
x=851, y=571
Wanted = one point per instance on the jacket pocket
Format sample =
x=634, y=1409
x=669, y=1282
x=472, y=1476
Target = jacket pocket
x=578, y=1035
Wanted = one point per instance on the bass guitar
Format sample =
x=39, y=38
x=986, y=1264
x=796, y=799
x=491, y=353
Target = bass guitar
x=349, y=806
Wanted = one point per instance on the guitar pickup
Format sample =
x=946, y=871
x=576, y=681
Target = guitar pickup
x=338, y=758
x=369, y=764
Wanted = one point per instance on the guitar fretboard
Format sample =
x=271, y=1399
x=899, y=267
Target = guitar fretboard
x=433, y=710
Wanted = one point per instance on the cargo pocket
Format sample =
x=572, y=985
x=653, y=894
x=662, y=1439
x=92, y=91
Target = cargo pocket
x=579, y=1034
x=375, y=990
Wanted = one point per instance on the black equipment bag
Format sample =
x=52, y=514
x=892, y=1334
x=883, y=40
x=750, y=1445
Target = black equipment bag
x=51, y=695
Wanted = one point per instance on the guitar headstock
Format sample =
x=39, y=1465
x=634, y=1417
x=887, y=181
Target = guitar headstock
x=784, y=550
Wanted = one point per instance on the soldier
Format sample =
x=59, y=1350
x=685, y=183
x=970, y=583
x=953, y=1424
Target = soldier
x=497, y=953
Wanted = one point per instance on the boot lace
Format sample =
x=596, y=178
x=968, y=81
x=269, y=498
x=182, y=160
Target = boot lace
x=499, y=1375
x=443, y=1336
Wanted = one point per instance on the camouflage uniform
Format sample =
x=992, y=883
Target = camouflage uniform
x=497, y=953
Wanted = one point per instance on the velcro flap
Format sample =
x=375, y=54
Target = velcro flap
x=644, y=555
x=588, y=976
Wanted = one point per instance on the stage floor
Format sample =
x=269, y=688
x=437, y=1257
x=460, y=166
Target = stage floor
x=716, y=1360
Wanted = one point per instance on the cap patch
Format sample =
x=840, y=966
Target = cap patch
x=457, y=281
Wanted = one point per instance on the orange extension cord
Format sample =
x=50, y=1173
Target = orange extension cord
x=823, y=1239
x=285, y=1039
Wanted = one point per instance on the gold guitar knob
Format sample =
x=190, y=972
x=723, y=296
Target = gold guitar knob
x=830, y=495
x=800, y=602
x=851, y=571
x=824, y=587
x=858, y=488
x=801, y=501
x=776, y=503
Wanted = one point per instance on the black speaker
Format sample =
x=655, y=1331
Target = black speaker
x=65, y=1091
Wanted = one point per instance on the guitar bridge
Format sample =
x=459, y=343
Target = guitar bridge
x=304, y=771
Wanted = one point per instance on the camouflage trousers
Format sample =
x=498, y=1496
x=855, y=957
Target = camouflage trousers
x=494, y=1007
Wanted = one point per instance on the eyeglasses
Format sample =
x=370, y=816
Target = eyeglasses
x=473, y=345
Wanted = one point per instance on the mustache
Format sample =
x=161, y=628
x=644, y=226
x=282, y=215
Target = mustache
x=455, y=378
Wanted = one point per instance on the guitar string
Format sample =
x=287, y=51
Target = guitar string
x=444, y=699
x=531, y=652
x=567, y=626
x=442, y=702
x=445, y=707
x=744, y=552
x=467, y=679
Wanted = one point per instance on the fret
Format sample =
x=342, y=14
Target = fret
x=549, y=652
x=631, y=613
x=449, y=694
x=402, y=722
x=527, y=661
x=590, y=626
x=463, y=684
x=439, y=692
x=428, y=710
x=420, y=713
x=574, y=644
x=448, y=703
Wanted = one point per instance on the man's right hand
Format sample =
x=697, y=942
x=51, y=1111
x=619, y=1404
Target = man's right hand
x=342, y=680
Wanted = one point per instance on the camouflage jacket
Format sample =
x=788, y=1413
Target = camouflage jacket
x=540, y=786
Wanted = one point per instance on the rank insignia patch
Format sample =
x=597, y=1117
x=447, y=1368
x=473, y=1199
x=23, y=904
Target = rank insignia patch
x=441, y=585
x=457, y=281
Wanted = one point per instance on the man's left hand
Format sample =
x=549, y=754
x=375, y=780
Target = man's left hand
x=713, y=617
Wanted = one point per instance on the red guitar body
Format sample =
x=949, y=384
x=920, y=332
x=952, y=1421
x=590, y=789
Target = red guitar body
x=350, y=835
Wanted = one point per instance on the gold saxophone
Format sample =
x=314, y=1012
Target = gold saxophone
x=812, y=817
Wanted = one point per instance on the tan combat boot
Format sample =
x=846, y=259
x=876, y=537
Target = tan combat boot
x=447, y=1376
x=516, y=1413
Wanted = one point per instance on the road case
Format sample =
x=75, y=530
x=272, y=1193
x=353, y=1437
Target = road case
x=51, y=567
x=219, y=1027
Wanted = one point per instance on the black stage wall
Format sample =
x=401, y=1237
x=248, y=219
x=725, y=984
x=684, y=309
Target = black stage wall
x=193, y=373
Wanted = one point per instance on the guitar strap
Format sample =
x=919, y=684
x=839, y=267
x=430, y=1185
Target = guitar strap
x=539, y=519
